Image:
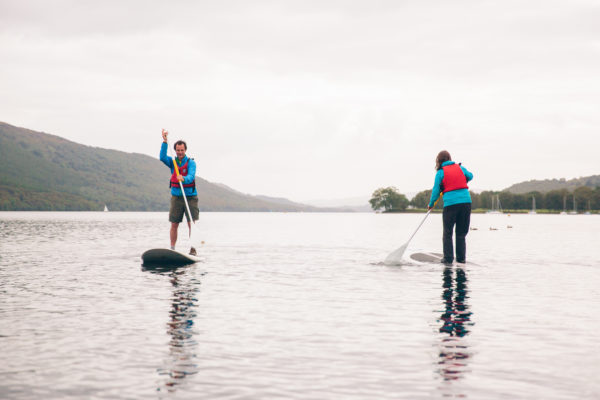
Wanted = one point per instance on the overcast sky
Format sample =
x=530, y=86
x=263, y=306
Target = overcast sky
x=315, y=99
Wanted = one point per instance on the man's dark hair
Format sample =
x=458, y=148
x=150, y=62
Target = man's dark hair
x=179, y=142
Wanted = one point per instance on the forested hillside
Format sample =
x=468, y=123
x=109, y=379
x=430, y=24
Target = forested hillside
x=39, y=171
x=547, y=185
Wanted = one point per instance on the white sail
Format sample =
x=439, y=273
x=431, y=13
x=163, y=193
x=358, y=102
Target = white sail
x=588, y=209
x=496, y=207
x=574, y=212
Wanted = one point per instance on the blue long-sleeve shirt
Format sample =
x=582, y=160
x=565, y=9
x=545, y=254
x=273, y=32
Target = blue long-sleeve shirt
x=453, y=197
x=168, y=161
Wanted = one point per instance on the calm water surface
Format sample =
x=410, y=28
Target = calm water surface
x=298, y=306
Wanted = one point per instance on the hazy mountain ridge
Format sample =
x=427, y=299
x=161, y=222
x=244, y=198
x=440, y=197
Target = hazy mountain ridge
x=40, y=171
x=283, y=201
x=547, y=185
x=356, y=204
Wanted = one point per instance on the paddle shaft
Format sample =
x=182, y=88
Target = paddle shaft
x=424, y=218
x=419, y=227
x=187, y=207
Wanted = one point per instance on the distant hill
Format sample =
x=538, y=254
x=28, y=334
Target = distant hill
x=39, y=171
x=547, y=185
x=354, y=204
x=283, y=201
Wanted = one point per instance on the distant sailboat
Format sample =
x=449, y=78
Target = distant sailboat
x=533, y=206
x=574, y=212
x=564, y=211
x=588, y=209
x=496, y=207
x=105, y=208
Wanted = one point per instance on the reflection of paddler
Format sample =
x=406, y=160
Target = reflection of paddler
x=183, y=173
x=456, y=320
x=457, y=313
x=180, y=327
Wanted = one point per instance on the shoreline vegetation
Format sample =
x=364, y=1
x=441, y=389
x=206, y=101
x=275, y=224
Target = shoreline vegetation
x=407, y=211
x=437, y=210
x=581, y=200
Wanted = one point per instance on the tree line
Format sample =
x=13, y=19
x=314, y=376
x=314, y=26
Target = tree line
x=19, y=199
x=583, y=198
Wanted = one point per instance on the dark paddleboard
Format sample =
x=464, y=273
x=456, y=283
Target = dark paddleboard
x=167, y=257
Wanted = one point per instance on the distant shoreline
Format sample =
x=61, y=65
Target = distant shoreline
x=412, y=211
x=485, y=211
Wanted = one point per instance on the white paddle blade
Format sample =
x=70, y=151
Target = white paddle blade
x=395, y=257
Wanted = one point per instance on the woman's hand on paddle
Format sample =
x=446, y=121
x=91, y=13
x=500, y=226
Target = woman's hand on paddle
x=429, y=208
x=164, y=135
x=180, y=178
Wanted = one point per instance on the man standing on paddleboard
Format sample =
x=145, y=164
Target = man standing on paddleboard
x=187, y=173
x=451, y=180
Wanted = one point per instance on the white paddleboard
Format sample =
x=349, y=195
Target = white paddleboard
x=427, y=257
x=432, y=258
x=167, y=257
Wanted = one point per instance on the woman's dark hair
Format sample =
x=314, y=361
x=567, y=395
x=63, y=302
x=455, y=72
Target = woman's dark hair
x=441, y=158
x=179, y=142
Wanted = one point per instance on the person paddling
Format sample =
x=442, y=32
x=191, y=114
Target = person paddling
x=451, y=180
x=187, y=174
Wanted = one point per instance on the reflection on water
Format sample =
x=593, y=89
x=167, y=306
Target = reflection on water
x=180, y=327
x=456, y=320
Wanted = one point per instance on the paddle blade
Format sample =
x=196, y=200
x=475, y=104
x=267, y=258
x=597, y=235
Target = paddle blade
x=395, y=257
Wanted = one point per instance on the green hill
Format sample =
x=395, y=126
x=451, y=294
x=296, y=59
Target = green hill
x=39, y=171
x=547, y=185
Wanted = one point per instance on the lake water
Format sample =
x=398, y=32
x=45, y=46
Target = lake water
x=298, y=306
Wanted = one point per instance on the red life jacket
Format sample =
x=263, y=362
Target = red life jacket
x=454, y=178
x=183, y=171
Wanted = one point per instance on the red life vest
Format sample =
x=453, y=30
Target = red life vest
x=183, y=171
x=454, y=178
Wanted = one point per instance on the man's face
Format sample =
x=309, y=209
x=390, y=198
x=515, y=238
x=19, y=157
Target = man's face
x=180, y=150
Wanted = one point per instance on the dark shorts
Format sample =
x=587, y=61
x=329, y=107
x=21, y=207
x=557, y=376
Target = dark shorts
x=178, y=208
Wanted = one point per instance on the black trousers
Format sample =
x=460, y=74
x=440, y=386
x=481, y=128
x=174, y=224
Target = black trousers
x=459, y=215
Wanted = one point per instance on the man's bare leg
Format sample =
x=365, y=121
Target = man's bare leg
x=173, y=233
